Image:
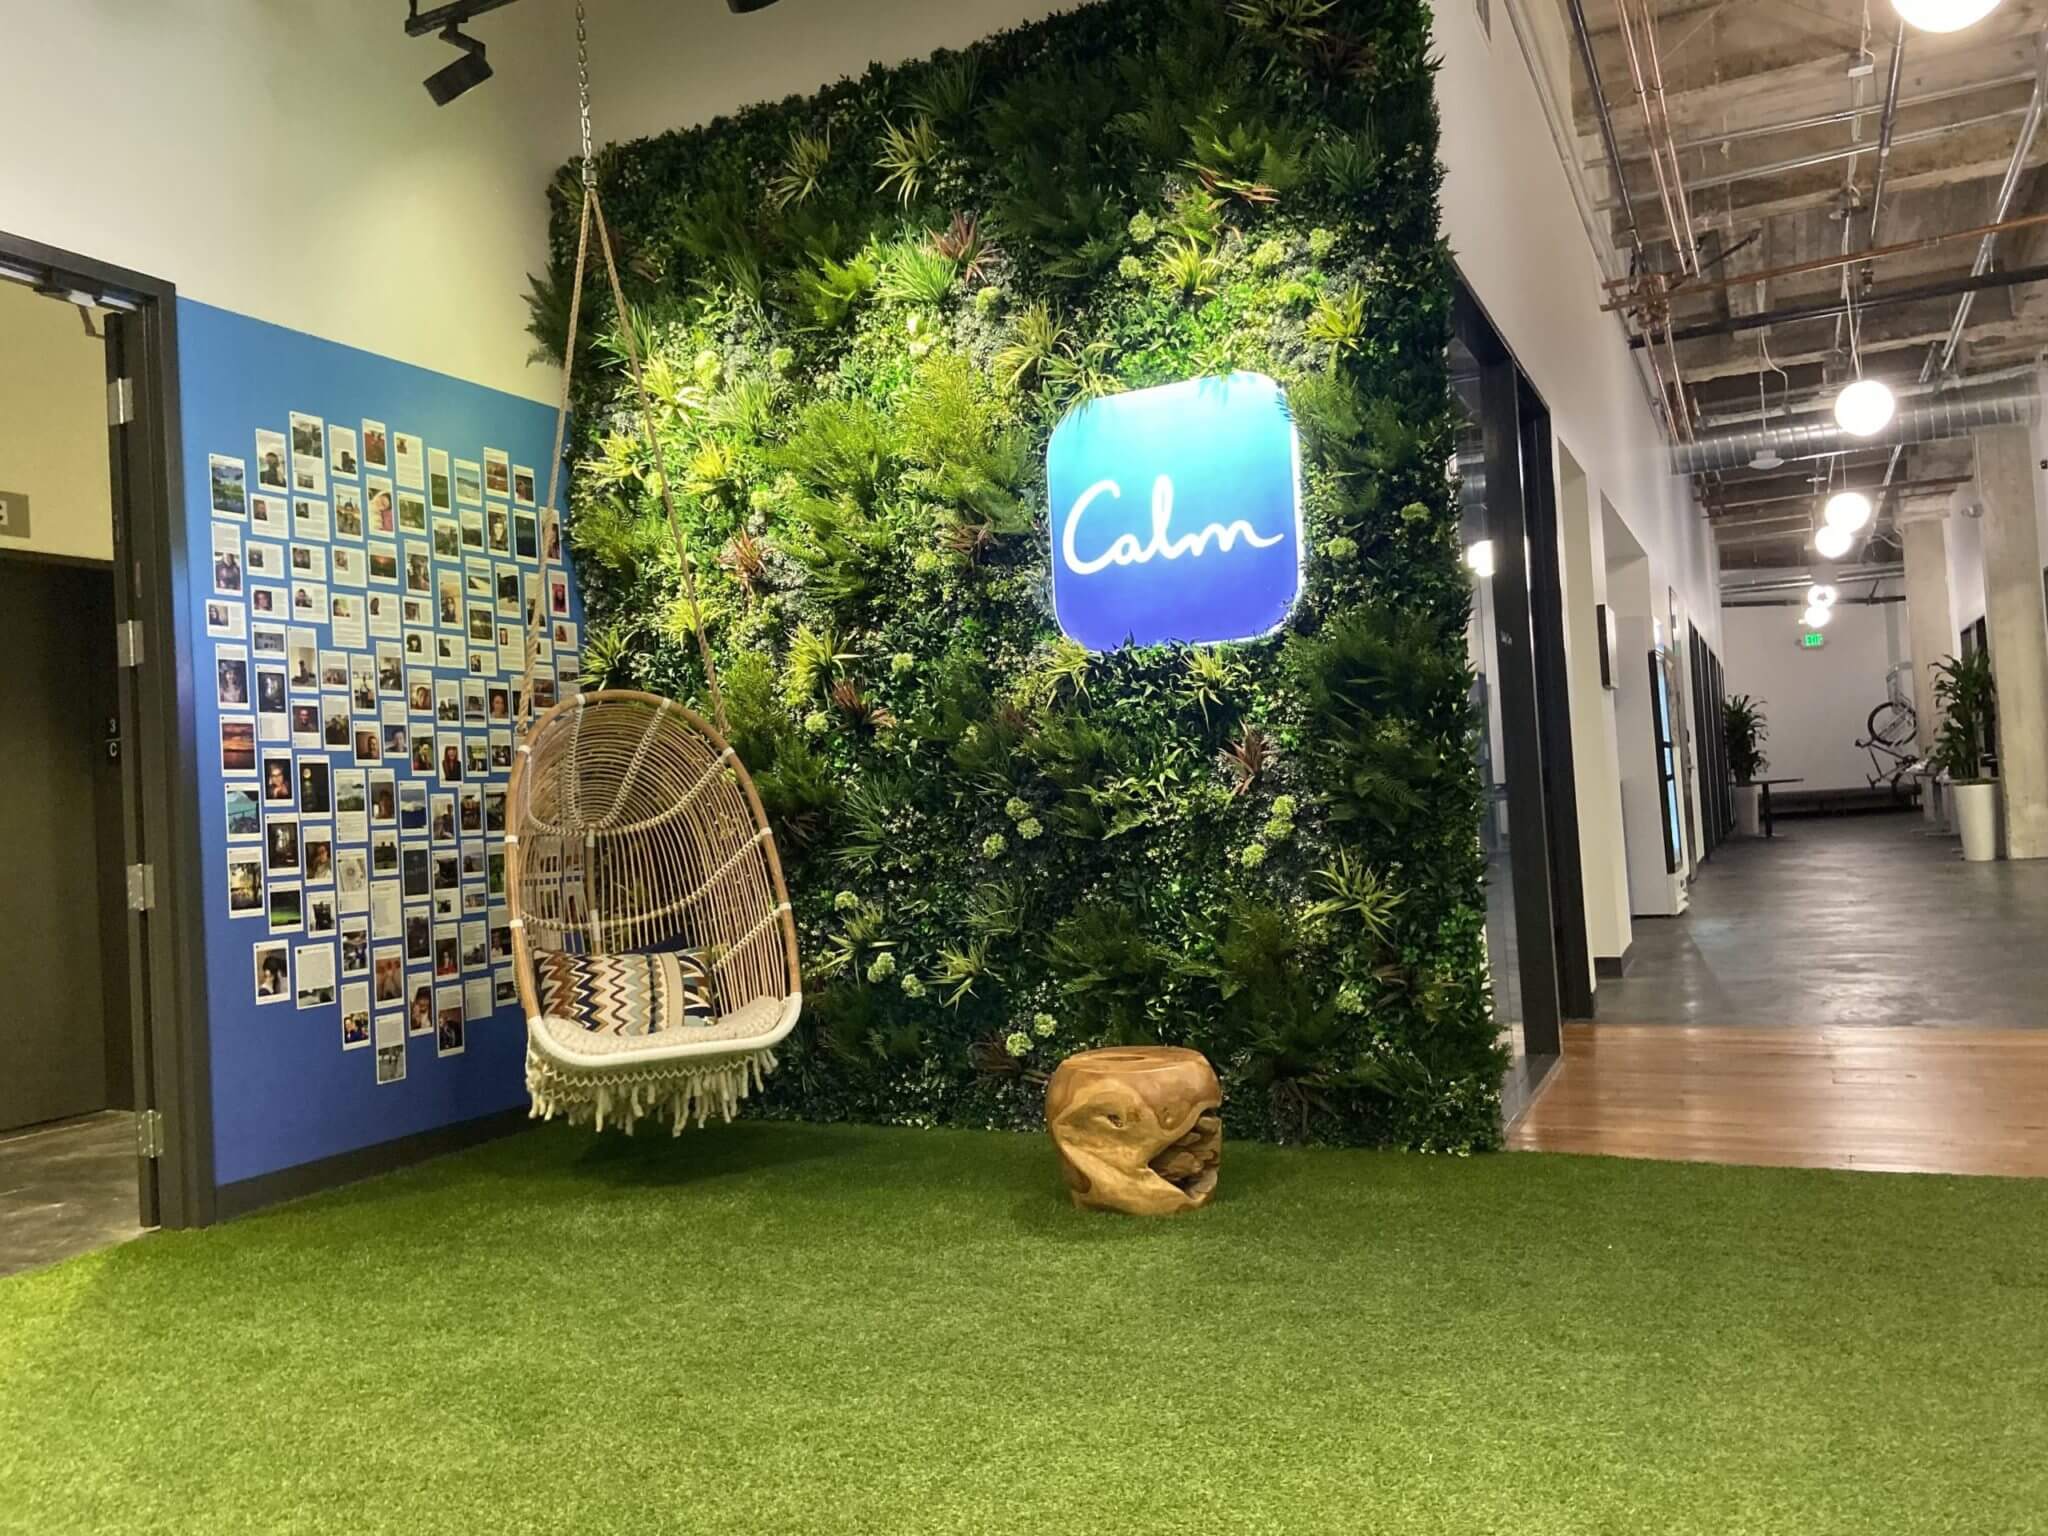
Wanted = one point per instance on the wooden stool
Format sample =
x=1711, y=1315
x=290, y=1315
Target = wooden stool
x=1137, y=1128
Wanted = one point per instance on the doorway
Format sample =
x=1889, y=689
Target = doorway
x=102, y=1104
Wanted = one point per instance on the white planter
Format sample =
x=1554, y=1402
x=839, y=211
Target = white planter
x=1976, y=812
x=1748, y=810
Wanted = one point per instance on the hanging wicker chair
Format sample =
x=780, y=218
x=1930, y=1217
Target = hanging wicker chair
x=655, y=952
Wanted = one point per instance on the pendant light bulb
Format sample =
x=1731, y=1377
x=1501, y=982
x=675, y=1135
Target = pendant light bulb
x=1943, y=15
x=1847, y=510
x=1817, y=616
x=1833, y=541
x=1820, y=596
x=1479, y=557
x=1865, y=408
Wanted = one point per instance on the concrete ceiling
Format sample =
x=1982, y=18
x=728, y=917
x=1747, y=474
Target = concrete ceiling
x=1769, y=186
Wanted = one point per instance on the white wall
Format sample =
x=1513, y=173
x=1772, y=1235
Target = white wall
x=1816, y=702
x=53, y=427
x=280, y=158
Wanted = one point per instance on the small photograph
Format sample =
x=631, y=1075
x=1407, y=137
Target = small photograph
x=471, y=520
x=225, y=619
x=335, y=733
x=309, y=518
x=304, y=654
x=501, y=750
x=281, y=845
x=550, y=538
x=476, y=757
x=498, y=530
x=412, y=806
x=396, y=743
x=227, y=559
x=355, y=946
x=379, y=508
x=408, y=461
x=476, y=946
x=244, y=814
x=447, y=953
x=277, y=778
x=271, y=471
x=345, y=619
x=440, y=489
x=317, y=844
x=265, y=560
x=309, y=602
x=355, y=1017
x=348, y=567
x=447, y=1021
x=449, y=749
x=522, y=483
x=473, y=700
x=494, y=810
x=388, y=974
x=245, y=883
x=228, y=479
x=341, y=452
x=419, y=934
x=319, y=914
x=508, y=591
x=447, y=870
x=237, y=746
x=412, y=513
x=419, y=1012
x=447, y=538
x=384, y=564
x=348, y=513
x=451, y=651
x=231, y=676
x=314, y=964
x=419, y=570
x=469, y=483
x=497, y=472
x=315, y=798
x=525, y=536
x=368, y=743
x=352, y=879
x=271, y=705
x=501, y=940
x=267, y=640
x=504, y=990
x=419, y=613
x=287, y=908
x=390, y=1057
x=376, y=446
x=309, y=562
x=273, y=973
x=382, y=611
x=269, y=602
x=558, y=596
x=448, y=599
x=483, y=626
x=384, y=856
x=269, y=514
x=383, y=798
x=442, y=829
x=309, y=454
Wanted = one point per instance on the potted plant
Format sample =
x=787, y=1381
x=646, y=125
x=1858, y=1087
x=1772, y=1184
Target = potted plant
x=1967, y=696
x=1742, y=720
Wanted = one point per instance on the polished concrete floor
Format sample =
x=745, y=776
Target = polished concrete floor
x=1849, y=920
x=66, y=1189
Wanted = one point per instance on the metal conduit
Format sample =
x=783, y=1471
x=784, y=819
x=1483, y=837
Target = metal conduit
x=1926, y=420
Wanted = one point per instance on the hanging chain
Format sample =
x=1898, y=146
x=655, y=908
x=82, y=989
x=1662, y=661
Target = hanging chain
x=583, y=90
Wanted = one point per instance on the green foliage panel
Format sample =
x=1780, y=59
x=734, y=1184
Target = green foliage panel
x=866, y=311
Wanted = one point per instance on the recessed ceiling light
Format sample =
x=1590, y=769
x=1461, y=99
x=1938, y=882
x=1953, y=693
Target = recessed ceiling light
x=1865, y=408
x=1944, y=15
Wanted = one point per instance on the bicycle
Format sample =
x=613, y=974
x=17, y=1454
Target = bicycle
x=1893, y=733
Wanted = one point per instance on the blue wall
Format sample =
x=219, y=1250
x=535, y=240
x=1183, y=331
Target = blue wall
x=285, y=1091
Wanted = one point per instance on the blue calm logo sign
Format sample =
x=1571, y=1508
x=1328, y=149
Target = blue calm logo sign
x=1176, y=514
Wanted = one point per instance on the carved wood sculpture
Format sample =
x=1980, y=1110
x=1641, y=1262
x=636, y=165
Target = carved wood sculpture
x=1137, y=1128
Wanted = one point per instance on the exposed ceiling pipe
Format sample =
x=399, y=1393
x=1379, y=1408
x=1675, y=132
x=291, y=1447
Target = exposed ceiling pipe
x=1886, y=124
x=1827, y=309
x=1927, y=420
x=1804, y=399
x=1646, y=74
x=1800, y=580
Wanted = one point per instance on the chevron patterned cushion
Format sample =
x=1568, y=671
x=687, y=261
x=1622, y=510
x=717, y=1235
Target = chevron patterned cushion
x=627, y=994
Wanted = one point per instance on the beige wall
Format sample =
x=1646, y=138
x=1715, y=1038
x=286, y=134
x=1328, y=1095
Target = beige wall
x=53, y=427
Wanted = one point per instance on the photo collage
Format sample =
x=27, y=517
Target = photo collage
x=368, y=616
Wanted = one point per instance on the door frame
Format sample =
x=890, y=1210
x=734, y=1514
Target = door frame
x=161, y=766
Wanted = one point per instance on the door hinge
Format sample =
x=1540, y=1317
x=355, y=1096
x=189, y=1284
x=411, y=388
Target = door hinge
x=149, y=1133
x=141, y=887
x=128, y=643
x=120, y=402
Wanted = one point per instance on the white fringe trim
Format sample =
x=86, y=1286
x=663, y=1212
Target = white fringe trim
x=687, y=1092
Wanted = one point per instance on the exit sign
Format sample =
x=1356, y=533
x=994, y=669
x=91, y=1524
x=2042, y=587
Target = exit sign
x=1812, y=640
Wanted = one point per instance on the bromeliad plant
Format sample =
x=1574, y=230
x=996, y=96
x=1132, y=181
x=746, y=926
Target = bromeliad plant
x=864, y=313
x=1743, y=723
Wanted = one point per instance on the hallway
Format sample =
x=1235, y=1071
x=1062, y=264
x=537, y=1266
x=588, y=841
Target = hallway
x=1850, y=920
x=1849, y=994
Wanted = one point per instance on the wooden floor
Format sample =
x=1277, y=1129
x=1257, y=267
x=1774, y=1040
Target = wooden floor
x=1898, y=1099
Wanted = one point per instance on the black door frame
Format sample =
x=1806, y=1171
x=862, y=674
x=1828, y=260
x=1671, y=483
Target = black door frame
x=1532, y=856
x=162, y=767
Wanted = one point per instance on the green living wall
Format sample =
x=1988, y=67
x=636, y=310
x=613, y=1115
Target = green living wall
x=867, y=310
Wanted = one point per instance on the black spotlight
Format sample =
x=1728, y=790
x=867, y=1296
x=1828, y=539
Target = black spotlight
x=472, y=69
x=741, y=7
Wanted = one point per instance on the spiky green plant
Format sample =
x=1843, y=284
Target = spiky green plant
x=1035, y=340
x=947, y=93
x=1357, y=891
x=909, y=158
x=803, y=169
x=1338, y=322
x=915, y=272
x=1188, y=270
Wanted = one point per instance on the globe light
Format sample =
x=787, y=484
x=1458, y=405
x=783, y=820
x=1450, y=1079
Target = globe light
x=1833, y=542
x=1865, y=408
x=1847, y=510
x=1944, y=15
x=1817, y=616
x=1820, y=596
x=1480, y=557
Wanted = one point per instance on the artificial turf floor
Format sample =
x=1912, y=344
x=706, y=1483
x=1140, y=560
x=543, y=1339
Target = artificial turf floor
x=793, y=1329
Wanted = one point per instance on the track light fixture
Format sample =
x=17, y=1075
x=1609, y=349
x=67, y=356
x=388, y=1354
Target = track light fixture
x=472, y=69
